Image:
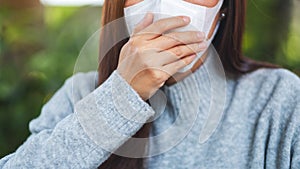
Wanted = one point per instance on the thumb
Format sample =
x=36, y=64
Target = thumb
x=146, y=21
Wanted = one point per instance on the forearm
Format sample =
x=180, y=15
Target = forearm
x=101, y=122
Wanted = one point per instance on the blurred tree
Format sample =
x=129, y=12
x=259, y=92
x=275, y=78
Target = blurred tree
x=291, y=56
x=39, y=46
x=21, y=28
x=267, y=29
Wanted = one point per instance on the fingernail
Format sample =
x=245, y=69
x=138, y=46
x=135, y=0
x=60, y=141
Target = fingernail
x=202, y=45
x=186, y=19
x=193, y=56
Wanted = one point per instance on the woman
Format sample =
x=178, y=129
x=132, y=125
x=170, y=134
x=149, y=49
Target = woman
x=82, y=124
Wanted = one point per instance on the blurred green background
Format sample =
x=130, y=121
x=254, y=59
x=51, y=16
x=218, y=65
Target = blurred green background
x=40, y=44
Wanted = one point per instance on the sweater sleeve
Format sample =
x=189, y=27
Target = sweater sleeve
x=295, y=154
x=295, y=146
x=83, y=135
x=288, y=97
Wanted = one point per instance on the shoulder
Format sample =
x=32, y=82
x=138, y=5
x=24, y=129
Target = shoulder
x=279, y=80
x=269, y=89
x=81, y=84
x=283, y=75
x=83, y=78
x=276, y=92
x=62, y=102
x=274, y=103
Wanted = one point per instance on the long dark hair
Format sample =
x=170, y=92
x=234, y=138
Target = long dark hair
x=228, y=43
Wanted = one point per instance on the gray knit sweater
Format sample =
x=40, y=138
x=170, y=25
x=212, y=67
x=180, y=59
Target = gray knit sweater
x=259, y=126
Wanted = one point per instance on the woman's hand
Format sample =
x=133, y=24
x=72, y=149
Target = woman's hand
x=152, y=56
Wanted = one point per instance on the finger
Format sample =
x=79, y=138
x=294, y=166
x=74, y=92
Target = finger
x=170, y=40
x=147, y=20
x=157, y=28
x=179, y=52
x=173, y=68
x=185, y=50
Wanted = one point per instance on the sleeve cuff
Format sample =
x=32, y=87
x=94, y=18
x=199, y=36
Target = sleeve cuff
x=112, y=113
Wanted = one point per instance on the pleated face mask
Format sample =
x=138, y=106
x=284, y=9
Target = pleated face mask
x=202, y=17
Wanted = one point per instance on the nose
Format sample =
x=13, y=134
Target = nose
x=207, y=3
x=131, y=2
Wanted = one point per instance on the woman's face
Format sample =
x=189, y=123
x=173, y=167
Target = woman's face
x=207, y=3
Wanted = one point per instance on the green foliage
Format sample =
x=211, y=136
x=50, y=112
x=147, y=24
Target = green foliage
x=39, y=47
x=37, y=54
x=272, y=32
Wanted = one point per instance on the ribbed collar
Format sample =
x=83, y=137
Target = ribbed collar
x=200, y=96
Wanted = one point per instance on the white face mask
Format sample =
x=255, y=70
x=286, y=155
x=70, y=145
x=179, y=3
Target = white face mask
x=201, y=17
